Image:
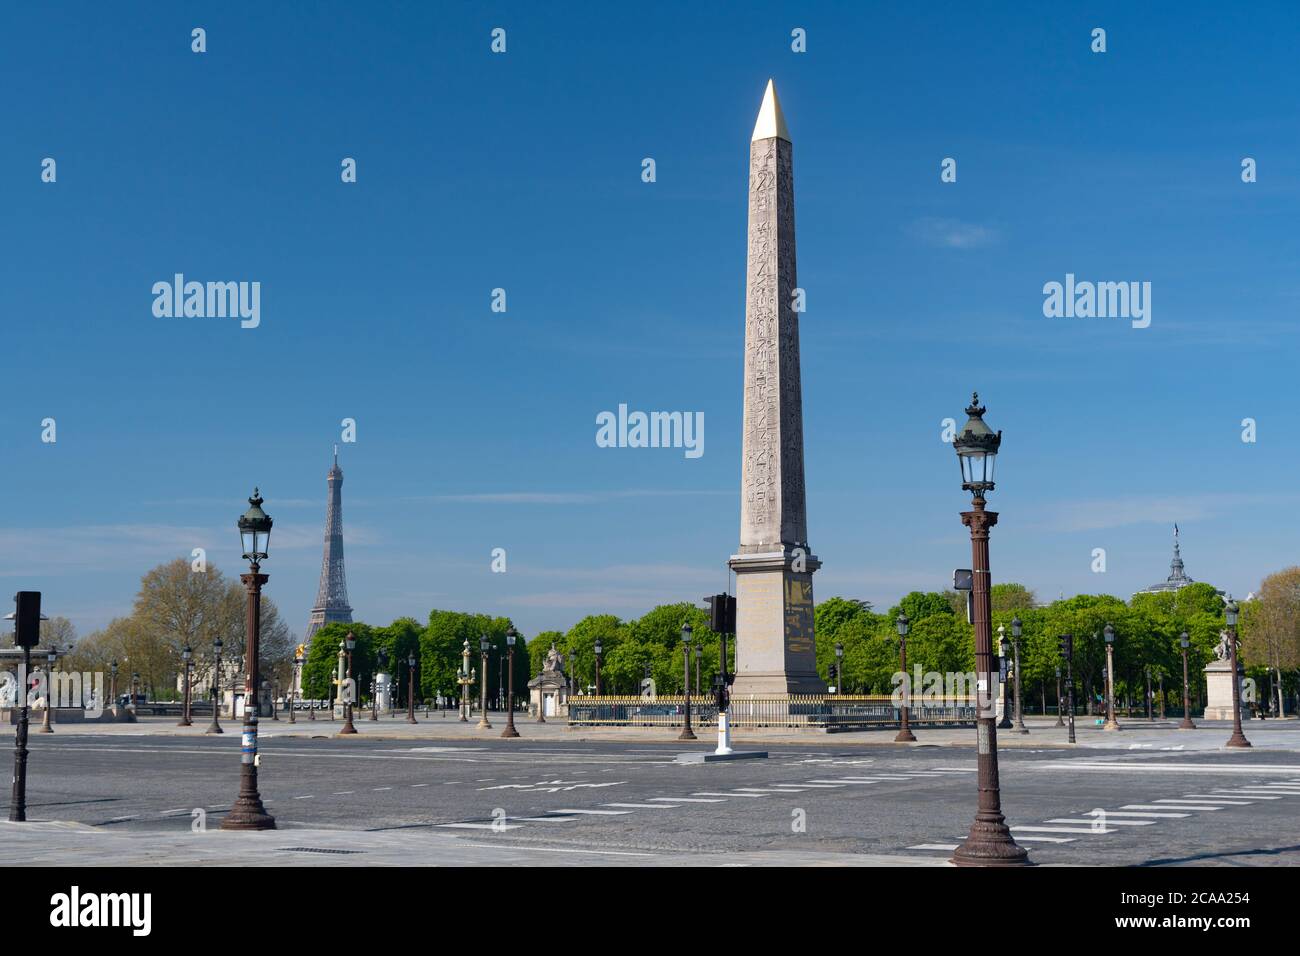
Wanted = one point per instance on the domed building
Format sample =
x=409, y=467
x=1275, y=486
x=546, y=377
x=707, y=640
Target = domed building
x=1177, y=576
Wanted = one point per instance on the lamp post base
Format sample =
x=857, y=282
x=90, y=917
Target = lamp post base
x=905, y=736
x=990, y=844
x=1187, y=724
x=484, y=723
x=687, y=734
x=510, y=730
x=1110, y=725
x=1238, y=739
x=248, y=814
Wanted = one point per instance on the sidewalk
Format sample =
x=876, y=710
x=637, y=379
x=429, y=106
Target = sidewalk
x=1135, y=733
x=73, y=844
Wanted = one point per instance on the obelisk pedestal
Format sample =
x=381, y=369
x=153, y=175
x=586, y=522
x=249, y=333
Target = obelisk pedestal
x=775, y=647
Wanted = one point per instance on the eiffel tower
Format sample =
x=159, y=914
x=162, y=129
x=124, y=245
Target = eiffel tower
x=332, y=595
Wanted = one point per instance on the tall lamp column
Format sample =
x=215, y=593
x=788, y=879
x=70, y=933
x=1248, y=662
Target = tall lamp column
x=687, y=733
x=1238, y=739
x=1184, y=643
x=248, y=813
x=905, y=734
x=989, y=842
x=511, y=636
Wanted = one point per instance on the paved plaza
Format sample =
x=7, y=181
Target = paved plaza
x=445, y=793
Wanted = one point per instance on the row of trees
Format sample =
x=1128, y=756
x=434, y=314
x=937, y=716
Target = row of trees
x=178, y=606
x=175, y=607
x=1147, y=629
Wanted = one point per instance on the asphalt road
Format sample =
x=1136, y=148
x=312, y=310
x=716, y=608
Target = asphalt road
x=1203, y=807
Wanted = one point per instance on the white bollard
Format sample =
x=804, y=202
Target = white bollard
x=724, y=734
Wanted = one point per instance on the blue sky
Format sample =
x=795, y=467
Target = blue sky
x=476, y=430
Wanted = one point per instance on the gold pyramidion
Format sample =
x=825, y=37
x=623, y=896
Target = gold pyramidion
x=771, y=121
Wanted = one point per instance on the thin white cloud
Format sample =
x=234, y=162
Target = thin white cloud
x=1129, y=510
x=952, y=233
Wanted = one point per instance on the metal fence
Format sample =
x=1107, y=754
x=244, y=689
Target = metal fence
x=817, y=711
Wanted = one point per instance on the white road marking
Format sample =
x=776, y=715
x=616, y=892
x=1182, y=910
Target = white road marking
x=178, y=810
x=597, y=813
x=644, y=806
x=1146, y=766
x=1042, y=839
x=310, y=796
x=1256, y=794
x=479, y=826
x=934, y=846
x=744, y=790
x=419, y=785
x=844, y=781
x=553, y=849
x=686, y=800
x=1107, y=819
x=1089, y=830
x=380, y=788
x=554, y=819
x=1125, y=812
x=340, y=793
x=1220, y=799
x=706, y=793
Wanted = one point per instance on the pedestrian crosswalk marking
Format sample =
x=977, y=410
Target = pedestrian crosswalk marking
x=706, y=793
x=597, y=813
x=1107, y=819
x=1133, y=810
x=688, y=800
x=498, y=827
x=934, y=846
x=1088, y=830
x=1043, y=839
x=644, y=806
x=1171, y=805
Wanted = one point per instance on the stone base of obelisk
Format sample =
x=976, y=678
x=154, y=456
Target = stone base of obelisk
x=775, y=650
x=1218, y=692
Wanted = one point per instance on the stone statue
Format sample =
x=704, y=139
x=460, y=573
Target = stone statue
x=554, y=661
x=1223, y=650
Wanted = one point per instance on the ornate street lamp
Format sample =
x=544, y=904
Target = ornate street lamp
x=248, y=813
x=1060, y=716
x=112, y=688
x=687, y=733
x=1238, y=739
x=483, y=722
x=350, y=644
x=699, y=653
x=1148, y=673
x=1111, y=723
x=511, y=636
x=1004, y=673
x=214, y=691
x=599, y=650
x=187, y=657
x=293, y=687
x=135, y=679
x=51, y=656
x=1184, y=643
x=381, y=658
x=989, y=842
x=1016, y=627
x=410, y=688
x=839, y=667
x=905, y=734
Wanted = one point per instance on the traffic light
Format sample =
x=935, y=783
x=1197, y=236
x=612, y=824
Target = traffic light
x=1066, y=644
x=834, y=672
x=27, y=618
x=722, y=613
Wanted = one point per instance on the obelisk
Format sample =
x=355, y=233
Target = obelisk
x=775, y=653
